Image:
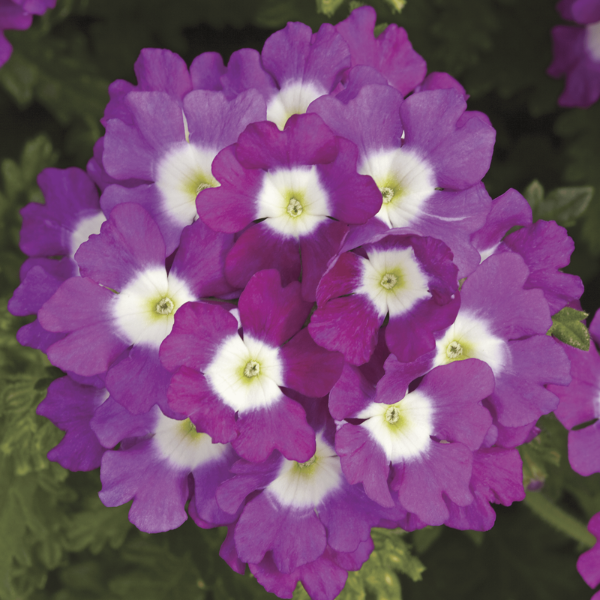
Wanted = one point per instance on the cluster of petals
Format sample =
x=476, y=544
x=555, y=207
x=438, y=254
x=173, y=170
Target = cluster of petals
x=18, y=14
x=285, y=303
x=579, y=411
x=576, y=50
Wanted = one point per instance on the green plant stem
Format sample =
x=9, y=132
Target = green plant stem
x=559, y=519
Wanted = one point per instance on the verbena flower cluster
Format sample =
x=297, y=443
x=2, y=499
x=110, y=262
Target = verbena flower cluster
x=577, y=52
x=18, y=14
x=293, y=309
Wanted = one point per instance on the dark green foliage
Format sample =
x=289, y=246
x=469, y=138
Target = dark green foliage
x=563, y=205
x=57, y=541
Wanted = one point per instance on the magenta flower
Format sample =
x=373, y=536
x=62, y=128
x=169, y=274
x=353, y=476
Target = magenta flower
x=230, y=385
x=408, y=278
x=18, y=14
x=296, y=183
x=577, y=52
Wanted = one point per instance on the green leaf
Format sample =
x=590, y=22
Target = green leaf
x=534, y=193
x=568, y=328
x=97, y=526
x=328, y=7
x=397, y=5
x=424, y=538
x=564, y=205
x=542, y=451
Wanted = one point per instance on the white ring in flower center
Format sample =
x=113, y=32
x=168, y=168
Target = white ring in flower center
x=182, y=445
x=406, y=182
x=393, y=281
x=470, y=337
x=292, y=99
x=293, y=201
x=144, y=310
x=181, y=174
x=403, y=429
x=306, y=485
x=246, y=373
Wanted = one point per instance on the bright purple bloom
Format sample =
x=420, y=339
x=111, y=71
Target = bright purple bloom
x=427, y=155
x=497, y=477
x=55, y=229
x=295, y=67
x=303, y=510
x=545, y=247
x=18, y=14
x=577, y=52
x=161, y=464
x=128, y=257
x=410, y=278
x=167, y=145
x=504, y=324
x=390, y=54
x=427, y=437
x=230, y=386
x=293, y=181
x=579, y=404
x=588, y=563
x=323, y=579
x=70, y=406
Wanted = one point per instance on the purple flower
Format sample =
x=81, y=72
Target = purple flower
x=295, y=67
x=580, y=403
x=18, y=14
x=56, y=229
x=427, y=155
x=410, y=278
x=71, y=406
x=304, y=511
x=427, y=436
x=577, y=53
x=297, y=182
x=588, y=563
x=161, y=150
x=497, y=477
x=161, y=464
x=122, y=307
x=504, y=324
x=545, y=247
x=390, y=54
x=230, y=385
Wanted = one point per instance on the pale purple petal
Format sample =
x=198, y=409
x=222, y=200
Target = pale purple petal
x=128, y=243
x=294, y=537
x=70, y=407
